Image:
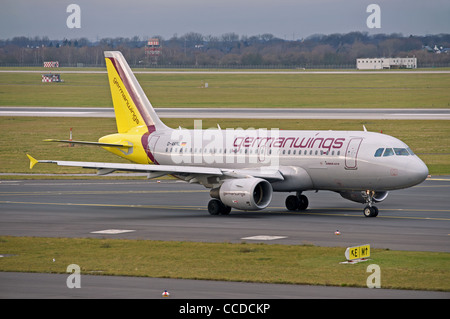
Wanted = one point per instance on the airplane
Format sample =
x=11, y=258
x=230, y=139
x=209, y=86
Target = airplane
x=242, y=168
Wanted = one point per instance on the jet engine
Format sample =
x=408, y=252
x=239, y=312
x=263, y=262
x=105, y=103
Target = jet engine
x=360, y=197
x=244, y=193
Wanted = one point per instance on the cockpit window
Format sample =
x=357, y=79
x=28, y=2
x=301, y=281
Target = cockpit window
x=393, y=151
x=401, y=151
x=388, y=152
x=379, y=152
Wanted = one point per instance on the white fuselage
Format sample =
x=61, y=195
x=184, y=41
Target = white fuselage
x=309, y=160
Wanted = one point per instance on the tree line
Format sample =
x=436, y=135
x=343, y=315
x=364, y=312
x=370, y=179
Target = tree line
x=230, y=50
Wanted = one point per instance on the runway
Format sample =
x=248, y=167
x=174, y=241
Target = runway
x=243, y=113
x=414, y=219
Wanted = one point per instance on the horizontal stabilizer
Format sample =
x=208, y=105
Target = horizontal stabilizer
x=33, y=161
x=90, y=143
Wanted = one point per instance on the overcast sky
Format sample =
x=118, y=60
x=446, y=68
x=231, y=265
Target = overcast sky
x=285, y=19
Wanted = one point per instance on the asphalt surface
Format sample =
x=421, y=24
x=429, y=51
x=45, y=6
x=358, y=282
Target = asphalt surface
x=245, y=113
x=417, y=218
x=54, y=286
x=413, y=219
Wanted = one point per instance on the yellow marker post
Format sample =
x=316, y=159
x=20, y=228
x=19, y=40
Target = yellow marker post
x=357, y=252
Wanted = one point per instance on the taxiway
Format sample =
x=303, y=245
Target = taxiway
x=413, y=219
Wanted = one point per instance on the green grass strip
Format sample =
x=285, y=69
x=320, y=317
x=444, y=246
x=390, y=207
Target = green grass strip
x=237, y=90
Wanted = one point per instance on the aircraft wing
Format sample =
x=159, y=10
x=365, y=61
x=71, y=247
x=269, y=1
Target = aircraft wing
x=161, y=170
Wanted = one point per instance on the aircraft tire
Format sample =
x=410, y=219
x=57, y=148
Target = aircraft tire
x=216, y=207
x=292, y=202
x=303, y=202
x=371, y=211
x=225, y=210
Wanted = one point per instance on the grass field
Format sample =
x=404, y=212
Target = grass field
x=291, y=264
x=238, y=90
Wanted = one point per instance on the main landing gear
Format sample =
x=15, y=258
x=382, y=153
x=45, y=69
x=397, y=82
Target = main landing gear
x=297, y=202
x=370, y=210
x=216, y=207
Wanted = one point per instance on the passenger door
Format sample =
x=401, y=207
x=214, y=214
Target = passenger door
x=351, y=154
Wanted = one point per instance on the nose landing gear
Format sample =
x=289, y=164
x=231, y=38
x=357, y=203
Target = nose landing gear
x=370, y=210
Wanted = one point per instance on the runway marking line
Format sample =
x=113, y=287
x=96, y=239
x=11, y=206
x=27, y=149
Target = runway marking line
x=103, y=205
x=263, y=237
x=112, y=231
x=267, y=211
x=99, y=192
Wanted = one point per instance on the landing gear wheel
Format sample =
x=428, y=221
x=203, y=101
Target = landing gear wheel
x=292, y=202
x=216, y=207
x=303, y=202
x=371, y=211
x=296, y=202
x=225, y=210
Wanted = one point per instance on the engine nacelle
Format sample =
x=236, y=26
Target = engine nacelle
x=245, y=193
x=359, y=198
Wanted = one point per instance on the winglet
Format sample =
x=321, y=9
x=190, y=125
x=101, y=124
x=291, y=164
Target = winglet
x=33, y=161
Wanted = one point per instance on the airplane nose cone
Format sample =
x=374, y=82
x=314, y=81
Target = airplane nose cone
x=417, y=171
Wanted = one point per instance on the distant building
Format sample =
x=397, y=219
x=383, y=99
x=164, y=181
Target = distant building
x=386, y=63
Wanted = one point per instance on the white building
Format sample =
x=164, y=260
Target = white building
x=386, y=63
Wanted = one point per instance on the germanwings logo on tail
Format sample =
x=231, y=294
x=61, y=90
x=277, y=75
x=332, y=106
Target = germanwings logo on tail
x=127, y=102
x=129, y=111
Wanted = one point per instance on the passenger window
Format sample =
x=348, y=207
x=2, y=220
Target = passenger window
x=379, y=152
x=388, y=152
x=401, y=151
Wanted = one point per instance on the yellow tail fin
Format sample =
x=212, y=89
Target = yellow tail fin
x=131, y=105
